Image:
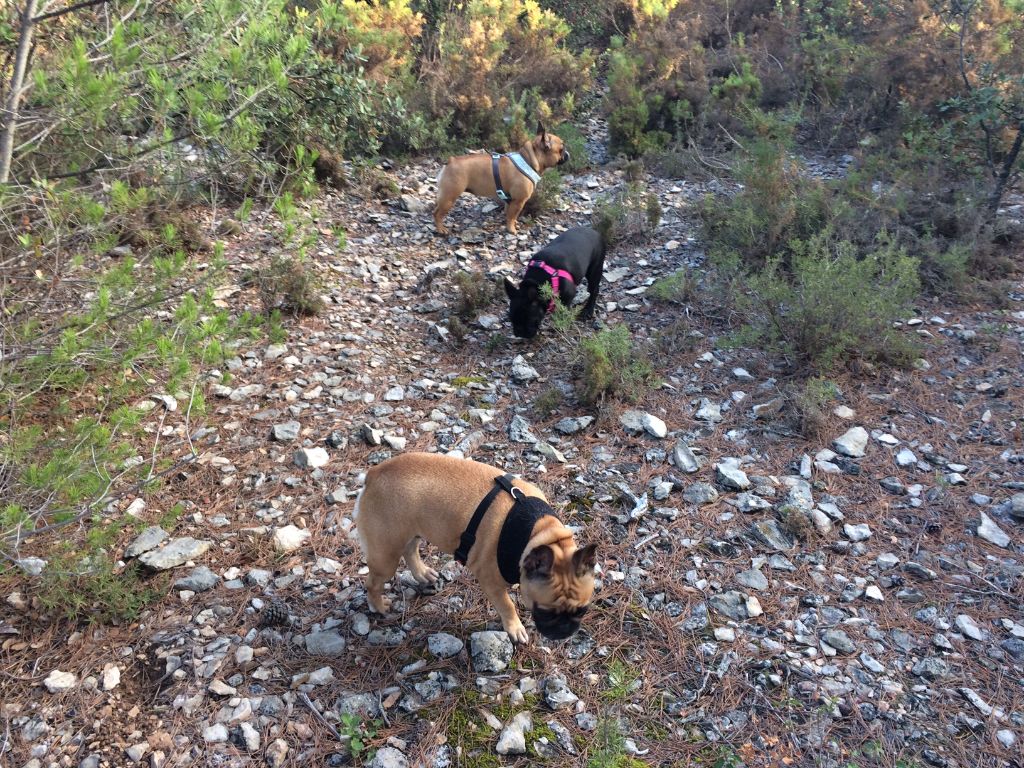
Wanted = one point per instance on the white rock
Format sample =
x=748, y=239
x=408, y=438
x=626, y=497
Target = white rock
x=989, y=531
x=970, y=628
x=906, y=458
x=215, y=734
x=859, y=532
x=852, y=443
x=513, y=738
x=311, y=458
x=874, y=593
x=289, y=538
x=111, y=677
x=844, y=412
x=59, y=682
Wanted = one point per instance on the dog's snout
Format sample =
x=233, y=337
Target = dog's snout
x=565, y=157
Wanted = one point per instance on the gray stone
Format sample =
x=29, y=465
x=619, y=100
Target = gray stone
x=990, y=531
x=730, y=604
x=413, y=204
x=286, y=432
x=893, y=485
x=276, y=753
x=328, y=643
x=491, y=651
x=512, y=740
x=365, y=705
x=395, y=394
x=853, y=443
x=372, y=436
x=177, y=552
x=570, y=426
x=838, y=639
x=389, y=757
x=311, y=458
x=753, y=579
x=523, y=372
x=931, y=668
x=201, y=579
x=751, y=502
x=1006, y=737
x=557, y=694
x=684, y=458
x=731, y=477
x=768, y=533
x=1016, y=506
x=970, y=628
x=637, y=422
x=149, y=539
x=700, y=493
x=709, y=412
x=443, y=645
x=519, y=431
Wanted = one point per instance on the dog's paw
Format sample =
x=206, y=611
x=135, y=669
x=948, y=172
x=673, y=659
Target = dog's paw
x=381, y=605
x=428, y=576
x=518, y=633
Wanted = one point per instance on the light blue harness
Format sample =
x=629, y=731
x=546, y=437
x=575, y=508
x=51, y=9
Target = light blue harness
x=521, y=165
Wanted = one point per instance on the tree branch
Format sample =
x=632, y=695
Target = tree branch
x=69, y=9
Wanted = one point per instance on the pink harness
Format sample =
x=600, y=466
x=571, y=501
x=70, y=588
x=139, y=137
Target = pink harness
x=556, y=276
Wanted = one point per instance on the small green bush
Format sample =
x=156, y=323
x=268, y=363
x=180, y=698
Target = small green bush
x=613, y=366
x=629, y=214
x=475, y=293
x=290, y=284
x=576, y=144
x=680, y=286
x=546, y=195
x=828, y=304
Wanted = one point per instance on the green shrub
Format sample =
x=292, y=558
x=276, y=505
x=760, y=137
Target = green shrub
x=499, y=60
x=829, y=304
x=576, y=144
x=546, y=196
x=613, y=366
x=475, y=293
x=629, y=214
x=680, y=286
x=777, y=205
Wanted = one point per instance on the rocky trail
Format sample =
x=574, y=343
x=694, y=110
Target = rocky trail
x=764, y=598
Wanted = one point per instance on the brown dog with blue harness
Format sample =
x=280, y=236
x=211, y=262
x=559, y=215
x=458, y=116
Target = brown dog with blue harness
x=511, y=178
x=501, y=528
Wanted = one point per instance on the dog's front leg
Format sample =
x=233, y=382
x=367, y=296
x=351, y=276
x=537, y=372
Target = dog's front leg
x=499, y=597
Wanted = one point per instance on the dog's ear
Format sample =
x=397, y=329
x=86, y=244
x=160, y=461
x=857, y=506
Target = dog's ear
x=539, y=562
x=511, y=290
x=585, y=559
x=540, y=130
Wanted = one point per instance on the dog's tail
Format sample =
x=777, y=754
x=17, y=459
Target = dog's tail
x=440, y=174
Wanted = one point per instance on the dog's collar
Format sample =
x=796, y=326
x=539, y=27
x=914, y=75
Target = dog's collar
x=468, y=538
x=522, y=165
x=556, y=276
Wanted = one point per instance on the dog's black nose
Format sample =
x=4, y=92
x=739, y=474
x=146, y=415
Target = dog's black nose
x=565, y=157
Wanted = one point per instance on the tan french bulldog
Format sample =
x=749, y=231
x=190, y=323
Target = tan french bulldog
x=428, y=496
x=473, y=173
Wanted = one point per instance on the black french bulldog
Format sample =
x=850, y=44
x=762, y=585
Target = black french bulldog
x=562, y=264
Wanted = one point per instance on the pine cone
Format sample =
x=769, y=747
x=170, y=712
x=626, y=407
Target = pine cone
x=275, y=614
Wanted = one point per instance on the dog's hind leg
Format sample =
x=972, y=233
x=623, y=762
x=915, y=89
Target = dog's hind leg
x=421, y=572
x=383, y=561
x=593, y=286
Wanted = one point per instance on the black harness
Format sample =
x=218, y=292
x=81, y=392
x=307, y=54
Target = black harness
x=515, y=531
